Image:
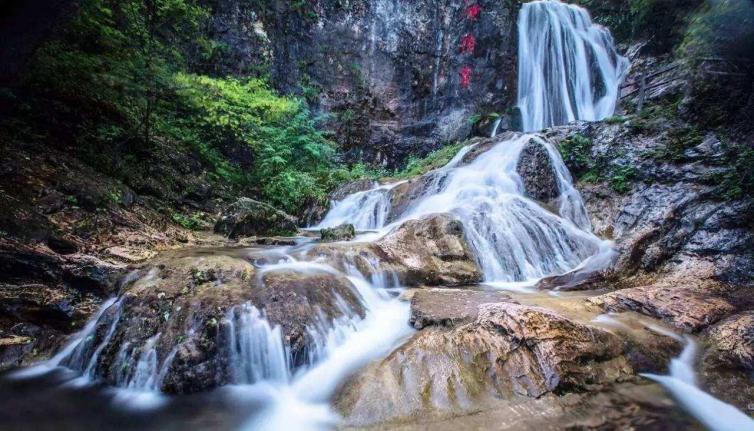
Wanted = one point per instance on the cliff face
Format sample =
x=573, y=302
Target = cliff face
x=393, y=77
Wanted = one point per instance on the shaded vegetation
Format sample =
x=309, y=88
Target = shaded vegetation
x=418, y=166
x=119, y=87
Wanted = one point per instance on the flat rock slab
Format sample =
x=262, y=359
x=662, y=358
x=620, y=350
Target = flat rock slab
x=449, y=307
x=685, y=308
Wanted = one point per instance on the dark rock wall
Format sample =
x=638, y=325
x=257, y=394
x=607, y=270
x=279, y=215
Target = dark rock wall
x=395, y=77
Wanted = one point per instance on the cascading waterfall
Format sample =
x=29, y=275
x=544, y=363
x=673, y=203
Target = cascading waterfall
x=568, y=67
x=513, y=237
x=365, y=210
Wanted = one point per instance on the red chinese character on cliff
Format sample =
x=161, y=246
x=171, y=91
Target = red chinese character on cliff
x=472, y=12
x=468, y=43
x=465, y=76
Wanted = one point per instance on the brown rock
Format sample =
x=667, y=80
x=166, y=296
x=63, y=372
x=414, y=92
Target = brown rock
x=429, y=251
x=449, y=307
x=182, y=302
x=685, y=308
x=732, y=341
x=509, y=350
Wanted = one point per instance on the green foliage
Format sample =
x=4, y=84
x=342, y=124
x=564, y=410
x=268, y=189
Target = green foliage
x=621, y=178
x=192, y=222
x=292, y=161
x=115, y=85
x=615, y=119
x=418, y=166
x=576, y=151
x=722, y=28
x=660, y=22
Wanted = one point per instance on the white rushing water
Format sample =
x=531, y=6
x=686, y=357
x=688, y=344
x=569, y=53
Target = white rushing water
x=714, y=414
x=568, y=67
x=300, y=400
x=514, y=238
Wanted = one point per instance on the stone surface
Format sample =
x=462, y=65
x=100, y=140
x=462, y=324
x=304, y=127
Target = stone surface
x=344, y=232
x=429, y=251
x=449, y=307
x=387, y=73
x=731, y=341
x=508, y=351
x=185, y=299
x=537, y=173
x=684, y=307
x=247, y=217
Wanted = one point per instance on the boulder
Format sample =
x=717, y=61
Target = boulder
x=731, y=341
x=184, y=308
x=344, y=232
x=247, y=217
x=509, y=350
x=537, y=172
x=428, y=251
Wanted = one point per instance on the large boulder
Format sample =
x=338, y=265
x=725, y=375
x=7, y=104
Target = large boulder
x=428, y=251
x=247, y=217
x=537, y=172
x=509, y=350
x=185, y=309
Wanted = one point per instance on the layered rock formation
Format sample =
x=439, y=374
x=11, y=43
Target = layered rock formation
x=398, y=78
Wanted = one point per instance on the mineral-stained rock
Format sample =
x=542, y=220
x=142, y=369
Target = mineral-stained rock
x=449, y=307
x=537, y=173
x=686, y=308
x=344, y=232
x=247, y=217
x=732, y=341
x=508, y=350
x=428, y=251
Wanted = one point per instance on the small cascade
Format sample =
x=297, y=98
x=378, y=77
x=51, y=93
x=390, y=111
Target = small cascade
x=682, y=384
x=365, y=210
x=568, y=67
x=255, y=349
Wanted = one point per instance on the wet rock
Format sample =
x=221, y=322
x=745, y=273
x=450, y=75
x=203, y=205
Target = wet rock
x=537, y=173
x=731, y=341
x=449, y=307
x=247, y=217
x=432, y=251
x=386, y=73
x=429, y=251
x=180, y=305
x=686, y=308
x=509, y=350
x=344, y=232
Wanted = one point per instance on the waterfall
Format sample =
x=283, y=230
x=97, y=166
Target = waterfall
x=568, y=67
x=365, y=210
x=513, y=237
